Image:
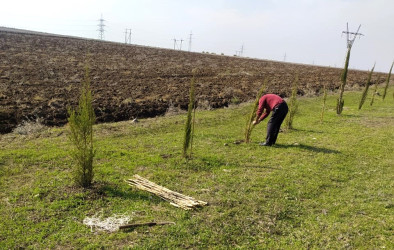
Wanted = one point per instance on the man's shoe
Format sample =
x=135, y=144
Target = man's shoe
x=265, y=144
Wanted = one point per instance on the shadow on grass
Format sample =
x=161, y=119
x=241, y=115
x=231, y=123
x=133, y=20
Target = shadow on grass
x=310, y=148
x=306, y=130
x=350, y=115
x=206, y=163
x=111, y=190
x=259, y=166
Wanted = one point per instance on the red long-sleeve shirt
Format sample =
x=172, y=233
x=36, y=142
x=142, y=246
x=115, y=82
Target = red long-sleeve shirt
x=267, y=102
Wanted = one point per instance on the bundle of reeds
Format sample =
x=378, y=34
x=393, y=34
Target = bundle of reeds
x=175, y=199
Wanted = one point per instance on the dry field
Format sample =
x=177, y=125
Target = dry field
x=40, y=76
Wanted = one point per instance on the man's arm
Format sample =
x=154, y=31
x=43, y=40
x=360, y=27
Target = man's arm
x=259, y=114
x=263, y=116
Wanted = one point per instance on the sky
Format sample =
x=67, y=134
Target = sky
x=299, y=31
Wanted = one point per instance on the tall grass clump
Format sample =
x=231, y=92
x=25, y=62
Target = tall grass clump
x=81, y=123
x=387, y=82
x=340, y=101
x=375, y=90
x=365, y=91
x=293, y=105
x=249, y=121
x=189, y=125
x=324, y=103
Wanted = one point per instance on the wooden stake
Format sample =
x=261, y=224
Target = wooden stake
x=149, y=224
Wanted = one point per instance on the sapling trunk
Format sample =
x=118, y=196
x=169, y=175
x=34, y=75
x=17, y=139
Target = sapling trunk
x=387, y=82
x=189, y=120
x=252, y=116
x=365, y=92
x=375, y=90
x=81, y=123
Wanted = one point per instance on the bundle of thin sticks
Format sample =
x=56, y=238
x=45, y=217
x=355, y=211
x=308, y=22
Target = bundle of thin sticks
x=175, y=199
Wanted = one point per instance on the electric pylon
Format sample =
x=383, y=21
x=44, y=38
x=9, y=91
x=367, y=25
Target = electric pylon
x=101, y=27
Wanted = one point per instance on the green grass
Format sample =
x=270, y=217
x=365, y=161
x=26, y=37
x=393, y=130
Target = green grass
x=325, y=185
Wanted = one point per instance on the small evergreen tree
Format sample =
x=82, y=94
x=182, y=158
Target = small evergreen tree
x=387, y=82
x=365, y=92
x=340, y=101
x=252, y=116
x=81, y=123
x=293, y=105
x=189, y=125
x=324, y=103
x=375, y=90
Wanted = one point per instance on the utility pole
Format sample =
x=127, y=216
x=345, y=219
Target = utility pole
x=284, y=58
x=190, y=41
x=180, y=46
x=101, y=27
x=174, y=43
x=351, y=36
x=240, y=52
x=127, y=37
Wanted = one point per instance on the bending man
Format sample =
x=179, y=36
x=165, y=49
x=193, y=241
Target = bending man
x=278, y=106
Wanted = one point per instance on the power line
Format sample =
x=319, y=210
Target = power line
x=101, y=27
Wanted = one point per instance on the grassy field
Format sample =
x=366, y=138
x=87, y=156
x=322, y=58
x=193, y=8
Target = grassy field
x=325, y=185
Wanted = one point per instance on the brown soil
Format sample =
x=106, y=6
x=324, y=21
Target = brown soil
x=41, y=74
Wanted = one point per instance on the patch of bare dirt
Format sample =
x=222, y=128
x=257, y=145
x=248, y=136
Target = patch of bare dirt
x=40, y=77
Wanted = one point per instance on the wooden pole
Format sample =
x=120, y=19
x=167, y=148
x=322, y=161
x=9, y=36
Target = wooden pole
x=149, y=224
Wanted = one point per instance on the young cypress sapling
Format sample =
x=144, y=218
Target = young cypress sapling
x=193, y=123
x=189, y=123
x=375, y=90
x=324, y=103
x=340, y=101
x=365, y=92
x=387, y=82
x=293, y=105
x=252, y=116
x=81, y=123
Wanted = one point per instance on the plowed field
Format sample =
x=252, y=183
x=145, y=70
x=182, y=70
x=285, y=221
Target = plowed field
x=40, y=76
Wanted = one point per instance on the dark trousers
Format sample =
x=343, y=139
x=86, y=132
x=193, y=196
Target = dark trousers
x=278, y=115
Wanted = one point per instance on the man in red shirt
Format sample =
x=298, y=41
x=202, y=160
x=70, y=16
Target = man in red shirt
x=278, y=106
